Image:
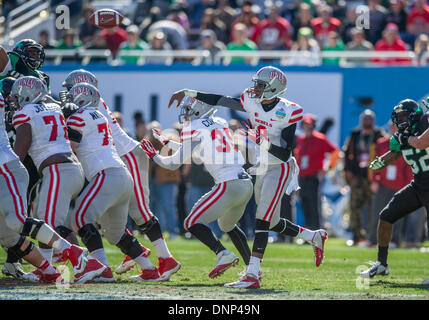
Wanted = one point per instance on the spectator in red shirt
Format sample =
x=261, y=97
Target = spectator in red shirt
x=114, y=37
x=324, y=24
x=248, y=18
x=310, y=152
x=418, y=18
x=272, y=33
x=391, y=42
x=384, y=184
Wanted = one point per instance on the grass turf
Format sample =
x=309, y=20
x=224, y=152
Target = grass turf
x=288, y=273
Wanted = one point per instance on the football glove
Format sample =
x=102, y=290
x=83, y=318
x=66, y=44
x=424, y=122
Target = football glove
x=148, y=148
x=377, y=164
x=158, y=136
x=254, y=135
x=402, y=137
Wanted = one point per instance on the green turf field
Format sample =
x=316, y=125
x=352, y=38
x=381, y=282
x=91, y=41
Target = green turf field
x=288, y=273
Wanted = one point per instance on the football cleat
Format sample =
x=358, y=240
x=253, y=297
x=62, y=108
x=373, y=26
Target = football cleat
x=13, y=269
x=37, y=275
x=148, y=275
x=93, y=269
x=128, y=263
x=248, y=281
x=167, y=267
x=242, y=273
x=376, y=269
x=225, y=261
x=106, y=276
x=58, y=258
x=77, y=257
x=318, y=243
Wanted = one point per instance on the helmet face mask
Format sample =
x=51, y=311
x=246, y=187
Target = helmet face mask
x=406, y=114
x=31, y=53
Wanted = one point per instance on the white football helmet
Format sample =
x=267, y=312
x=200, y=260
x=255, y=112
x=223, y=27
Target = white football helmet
x=191, y=108
x=27, y=90
x=84, y=95
x=269, y=82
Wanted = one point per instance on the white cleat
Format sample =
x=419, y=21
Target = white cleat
x=376, y=269
x=227, y=260
x=13, y=269
x=318, y=243
x=248, y=281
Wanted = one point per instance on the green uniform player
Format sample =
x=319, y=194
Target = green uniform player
x=408, y=116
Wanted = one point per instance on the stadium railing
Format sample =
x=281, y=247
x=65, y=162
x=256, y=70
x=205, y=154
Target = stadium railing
x=24, y=13
x=196, y=57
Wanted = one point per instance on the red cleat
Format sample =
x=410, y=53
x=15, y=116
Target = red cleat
x=318, y=243
x=106, y=276
x=168, y=267
x=225, y=261
x=148, y=275
x=248, y=281
x=40, y=277
x=93, y=269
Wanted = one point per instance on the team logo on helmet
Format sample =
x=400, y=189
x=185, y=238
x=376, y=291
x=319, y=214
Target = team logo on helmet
x=279, y=76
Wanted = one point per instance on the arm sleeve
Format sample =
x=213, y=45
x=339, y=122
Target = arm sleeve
x=219, y=100
x=181, y=156
x=288, y=134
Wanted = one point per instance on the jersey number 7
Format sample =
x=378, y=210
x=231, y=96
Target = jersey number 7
x=54, y=132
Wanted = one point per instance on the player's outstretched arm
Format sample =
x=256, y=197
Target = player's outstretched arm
x=209, y=98
x=383, y=161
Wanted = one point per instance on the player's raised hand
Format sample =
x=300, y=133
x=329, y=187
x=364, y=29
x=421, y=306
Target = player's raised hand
x=177, y=96
x=158, y=136
x=148, y=148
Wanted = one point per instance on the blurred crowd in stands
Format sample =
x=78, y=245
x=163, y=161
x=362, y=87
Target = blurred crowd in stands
x=291, y=25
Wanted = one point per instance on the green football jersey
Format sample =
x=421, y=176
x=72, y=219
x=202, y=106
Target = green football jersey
x=417, y=159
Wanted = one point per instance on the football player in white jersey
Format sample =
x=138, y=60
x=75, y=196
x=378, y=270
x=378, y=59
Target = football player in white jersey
x=41, y=132
x=137, y=163
x=226, y=202
x=15, y=225
x=273, y=123
x=106, y=198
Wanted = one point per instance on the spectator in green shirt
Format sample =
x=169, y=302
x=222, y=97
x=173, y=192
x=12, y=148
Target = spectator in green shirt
x=133, y=43
x=240, y=42
x=334, y=44
x=69, y=41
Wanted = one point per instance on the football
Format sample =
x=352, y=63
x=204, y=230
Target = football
x=106, y=18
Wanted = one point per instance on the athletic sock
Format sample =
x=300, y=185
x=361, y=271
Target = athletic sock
x=60, y=244
x=305, y=234
x=254, y=266
x=161, y=248
x=382, y=254
x=47, y=254
x=144, y=262
x=46, y=267
x=100, y=255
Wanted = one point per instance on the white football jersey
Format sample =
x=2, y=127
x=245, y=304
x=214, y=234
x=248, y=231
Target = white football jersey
x=6, y=151
x=48, y=130
x=216, y=147
x=271, y=123
x=123, y=142
x=96, y=150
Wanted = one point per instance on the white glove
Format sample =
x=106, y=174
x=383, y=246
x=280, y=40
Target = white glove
x=158, y=136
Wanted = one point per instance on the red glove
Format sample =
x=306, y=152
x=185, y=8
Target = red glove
x=148, y=148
